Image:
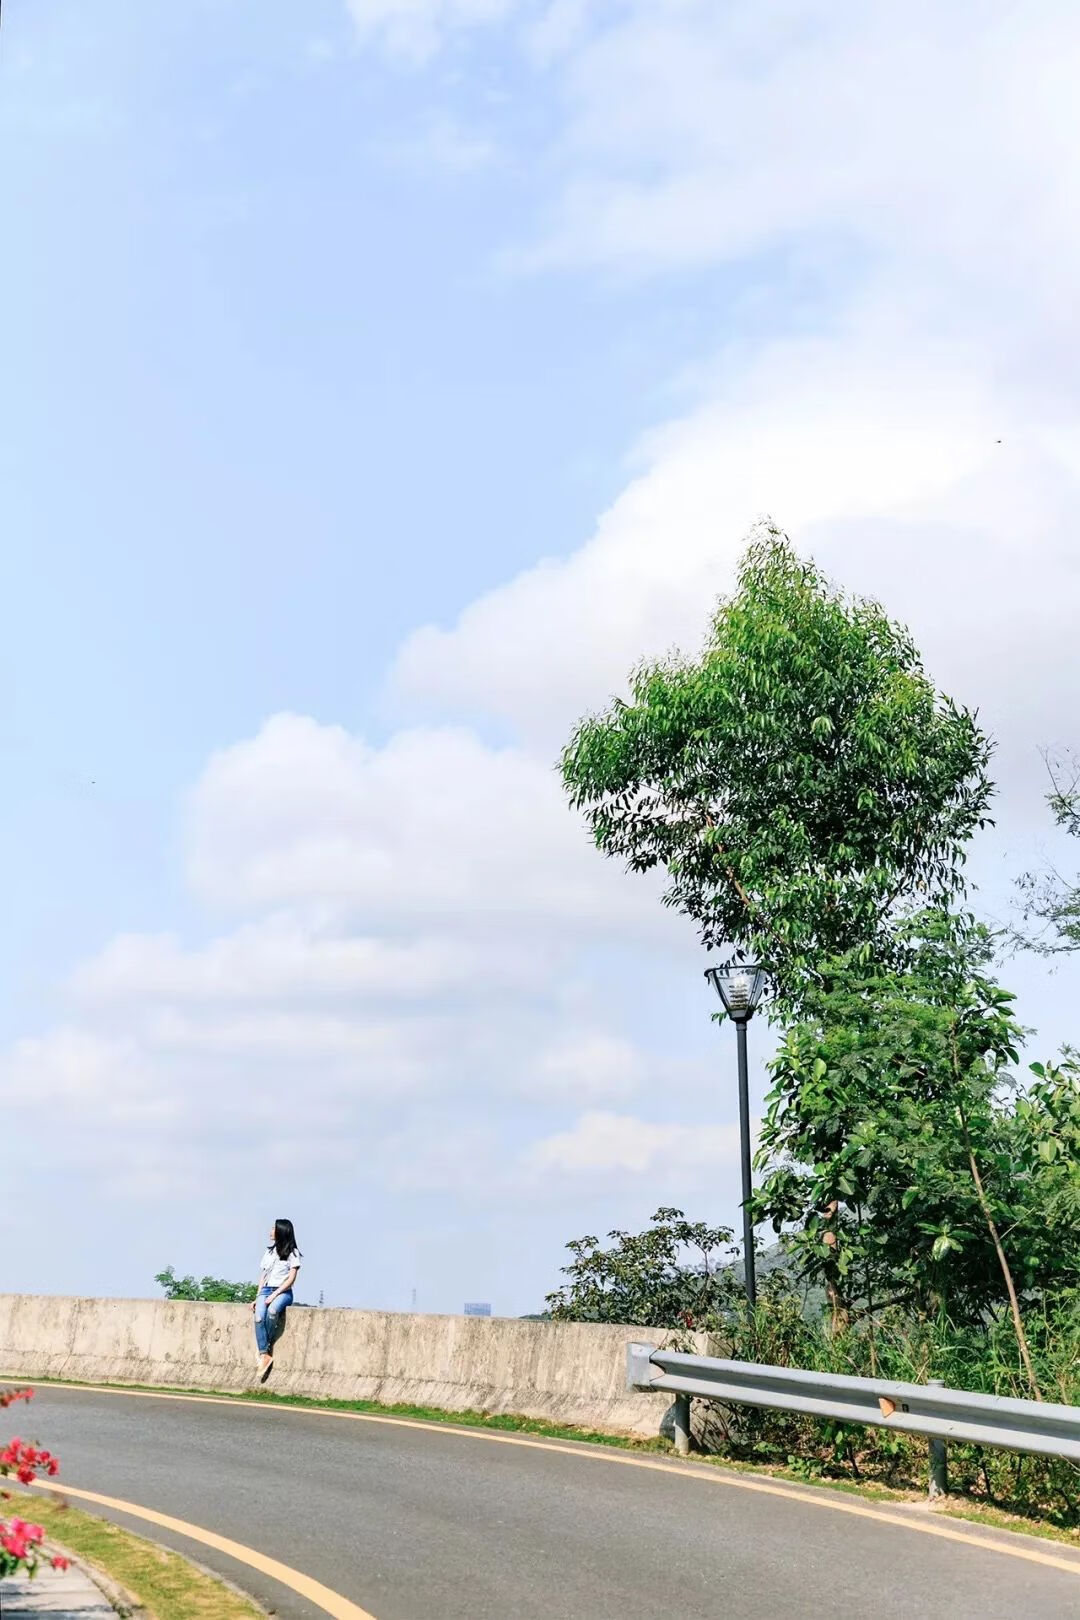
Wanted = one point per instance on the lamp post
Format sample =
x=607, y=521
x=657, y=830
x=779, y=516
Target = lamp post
x=739, y=986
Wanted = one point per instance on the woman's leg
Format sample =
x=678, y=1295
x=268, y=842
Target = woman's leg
x=275, y=1317
x=262, y=1335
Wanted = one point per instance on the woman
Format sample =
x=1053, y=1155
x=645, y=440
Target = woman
x=277, y=1273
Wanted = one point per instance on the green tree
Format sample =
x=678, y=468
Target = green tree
x=809, y=795
x=802, y=783
x=902, y=1160
x=862, y=1144
x=210, y=1289
x=668, y=1276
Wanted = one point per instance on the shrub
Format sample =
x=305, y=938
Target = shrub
x=212, y=1290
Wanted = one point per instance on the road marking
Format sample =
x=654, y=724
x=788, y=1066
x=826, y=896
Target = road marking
x=331, y=1603
x=608, y=1454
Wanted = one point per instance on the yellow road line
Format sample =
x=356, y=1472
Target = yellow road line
x=331, y=1603
x=599, y=1453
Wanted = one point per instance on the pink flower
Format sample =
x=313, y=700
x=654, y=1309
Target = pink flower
x=19, y=1539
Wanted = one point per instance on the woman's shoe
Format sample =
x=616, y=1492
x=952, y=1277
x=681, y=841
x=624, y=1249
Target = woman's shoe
x=268, y=1368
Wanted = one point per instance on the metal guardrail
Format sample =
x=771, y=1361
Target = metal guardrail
x=928, y=1409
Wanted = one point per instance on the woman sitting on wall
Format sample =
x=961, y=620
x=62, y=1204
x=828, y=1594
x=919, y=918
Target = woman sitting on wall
x=278, y=1271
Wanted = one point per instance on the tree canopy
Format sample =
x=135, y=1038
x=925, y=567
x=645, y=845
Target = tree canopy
x=899, y=1155
x=802, y=782
x=669, y=1275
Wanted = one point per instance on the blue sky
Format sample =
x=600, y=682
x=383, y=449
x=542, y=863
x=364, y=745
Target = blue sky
x=380, y=380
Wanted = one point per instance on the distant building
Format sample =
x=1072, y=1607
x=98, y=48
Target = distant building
x=478, y=1310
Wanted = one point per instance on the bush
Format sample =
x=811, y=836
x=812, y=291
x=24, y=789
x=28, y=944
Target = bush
x=982, y=1359
x=680, y=1275
x=212, y=1290
x=645, y=1279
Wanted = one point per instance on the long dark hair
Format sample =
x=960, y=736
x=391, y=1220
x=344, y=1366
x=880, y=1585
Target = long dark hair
x=285, y=1239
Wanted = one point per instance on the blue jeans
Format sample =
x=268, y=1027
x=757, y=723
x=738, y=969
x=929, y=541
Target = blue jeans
x=270, y=1324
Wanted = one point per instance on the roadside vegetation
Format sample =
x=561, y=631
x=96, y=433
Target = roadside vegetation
x=211, y=1290
x=811, y=797
x=681, y=1275
x=165, y=1584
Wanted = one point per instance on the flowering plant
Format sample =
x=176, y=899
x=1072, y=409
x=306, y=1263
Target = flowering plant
x=20, y=1542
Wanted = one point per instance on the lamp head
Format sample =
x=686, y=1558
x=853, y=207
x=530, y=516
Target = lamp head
x=739, y=986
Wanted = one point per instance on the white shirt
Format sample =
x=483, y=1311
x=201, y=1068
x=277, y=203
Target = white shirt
x=273, y=1270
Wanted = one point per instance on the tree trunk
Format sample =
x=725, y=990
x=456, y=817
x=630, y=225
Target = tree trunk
x=1006, y=1271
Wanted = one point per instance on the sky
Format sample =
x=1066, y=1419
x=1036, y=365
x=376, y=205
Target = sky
x=380, y=380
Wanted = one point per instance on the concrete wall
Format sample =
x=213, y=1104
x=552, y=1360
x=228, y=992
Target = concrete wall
x=572, y=1372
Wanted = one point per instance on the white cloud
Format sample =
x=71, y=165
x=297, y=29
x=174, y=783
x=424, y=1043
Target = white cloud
x=927, y=160
x=412, y=924
x=603, y=1143
x=384, y=1055
x=415, y=29
x=281, y=961
x=698, y=132
x=890, y=471
x=940, y=139
x=593, y=1066
x=85, y=1076
x=433, y=826
x=438, y=1153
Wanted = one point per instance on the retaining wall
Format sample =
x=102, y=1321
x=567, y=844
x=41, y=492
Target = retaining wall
x=568, y=1372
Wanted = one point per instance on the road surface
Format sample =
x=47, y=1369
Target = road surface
x=421, y=1522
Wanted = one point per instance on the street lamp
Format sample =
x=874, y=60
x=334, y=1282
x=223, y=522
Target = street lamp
x=739, y=986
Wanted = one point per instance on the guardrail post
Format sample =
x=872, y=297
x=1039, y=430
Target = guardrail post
x=639, y=1369
x=682, y=1425
x=939, y=1464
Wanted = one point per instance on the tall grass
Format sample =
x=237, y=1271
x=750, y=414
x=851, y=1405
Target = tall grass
x=892, y=1345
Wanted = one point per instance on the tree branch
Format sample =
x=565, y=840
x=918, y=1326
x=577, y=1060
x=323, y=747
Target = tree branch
x=984, y=1205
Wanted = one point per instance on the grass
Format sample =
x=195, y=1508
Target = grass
x=959, y=1505
x=997, y=1519
x=166, y=1585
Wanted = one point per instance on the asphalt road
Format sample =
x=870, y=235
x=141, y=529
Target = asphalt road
x=415, y=1523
